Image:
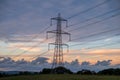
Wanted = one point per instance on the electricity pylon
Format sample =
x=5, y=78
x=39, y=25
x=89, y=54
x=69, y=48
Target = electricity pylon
x=58, y=49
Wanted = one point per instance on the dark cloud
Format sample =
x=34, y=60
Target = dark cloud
x=104, y=63
x=7, y=60
x=85, y=63
x=41, y=62
x=75, y=62
x=22, y=61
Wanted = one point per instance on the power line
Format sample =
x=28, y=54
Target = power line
x=70, y=25
x=96, y=34
x=104, y=45
x=40, y=54
x=73, y=54
x=30, y=58
x=114, y=43
x=84, y=37
x=100, y=46
x=93, y=23
x=32, y=38
x=31, y=48
x=92, y=41
x=106, y=13
x=34, y=45
x=84, y=11
x=89, y=24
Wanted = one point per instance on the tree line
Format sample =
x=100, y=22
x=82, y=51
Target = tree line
x=63, y=70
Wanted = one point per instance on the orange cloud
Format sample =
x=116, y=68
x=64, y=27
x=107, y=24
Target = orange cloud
x=95, y=52
x=31, y=49
x=82, y=55
x=105, y=51
x=94, y=55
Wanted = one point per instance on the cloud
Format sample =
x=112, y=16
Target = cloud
x=40, y=60
x=75, y=62
x=85, y=63
x=7, y=60
x=88, y=51
x=105, y=51
x=22, y=65
x=34, y=50
x=22, y=61
x=104, y=63
x=7, y=64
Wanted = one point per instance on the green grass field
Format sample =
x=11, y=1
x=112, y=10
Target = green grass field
x=61, y=77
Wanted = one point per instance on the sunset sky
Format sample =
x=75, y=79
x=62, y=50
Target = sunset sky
x=94, y=26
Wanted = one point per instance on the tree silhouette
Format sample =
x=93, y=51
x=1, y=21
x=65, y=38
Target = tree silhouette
x=110, y=71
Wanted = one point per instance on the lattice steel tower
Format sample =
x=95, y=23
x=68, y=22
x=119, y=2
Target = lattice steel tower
x=58, y=49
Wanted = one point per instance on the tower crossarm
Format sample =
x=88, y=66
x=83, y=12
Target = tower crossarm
x=58, y=44
x=56, y=32
x=60, y=19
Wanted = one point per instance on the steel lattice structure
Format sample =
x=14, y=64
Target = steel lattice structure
x=58, y=49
